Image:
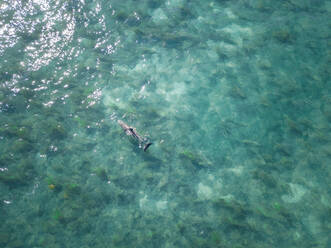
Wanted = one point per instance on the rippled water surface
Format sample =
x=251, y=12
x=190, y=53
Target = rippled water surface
x=234, y=95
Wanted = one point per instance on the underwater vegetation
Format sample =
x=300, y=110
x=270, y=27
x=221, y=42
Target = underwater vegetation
x=283, y=35
x=265, y=178
x=16, y=172
x=194, y=159
x=238, y=93
x=57, y=131
x=102, y=174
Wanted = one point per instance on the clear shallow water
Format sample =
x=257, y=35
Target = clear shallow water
x=235, y=96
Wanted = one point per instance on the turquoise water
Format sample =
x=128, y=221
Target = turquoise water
x=234, y=95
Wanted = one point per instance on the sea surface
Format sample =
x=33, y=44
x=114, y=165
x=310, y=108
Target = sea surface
x=235, y=96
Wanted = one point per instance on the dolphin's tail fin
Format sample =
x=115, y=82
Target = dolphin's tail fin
x=147, y=145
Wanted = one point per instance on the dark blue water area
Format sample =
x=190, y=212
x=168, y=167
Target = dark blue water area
x=234, y=95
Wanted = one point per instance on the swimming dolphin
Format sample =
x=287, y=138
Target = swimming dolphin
x=131, y=131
